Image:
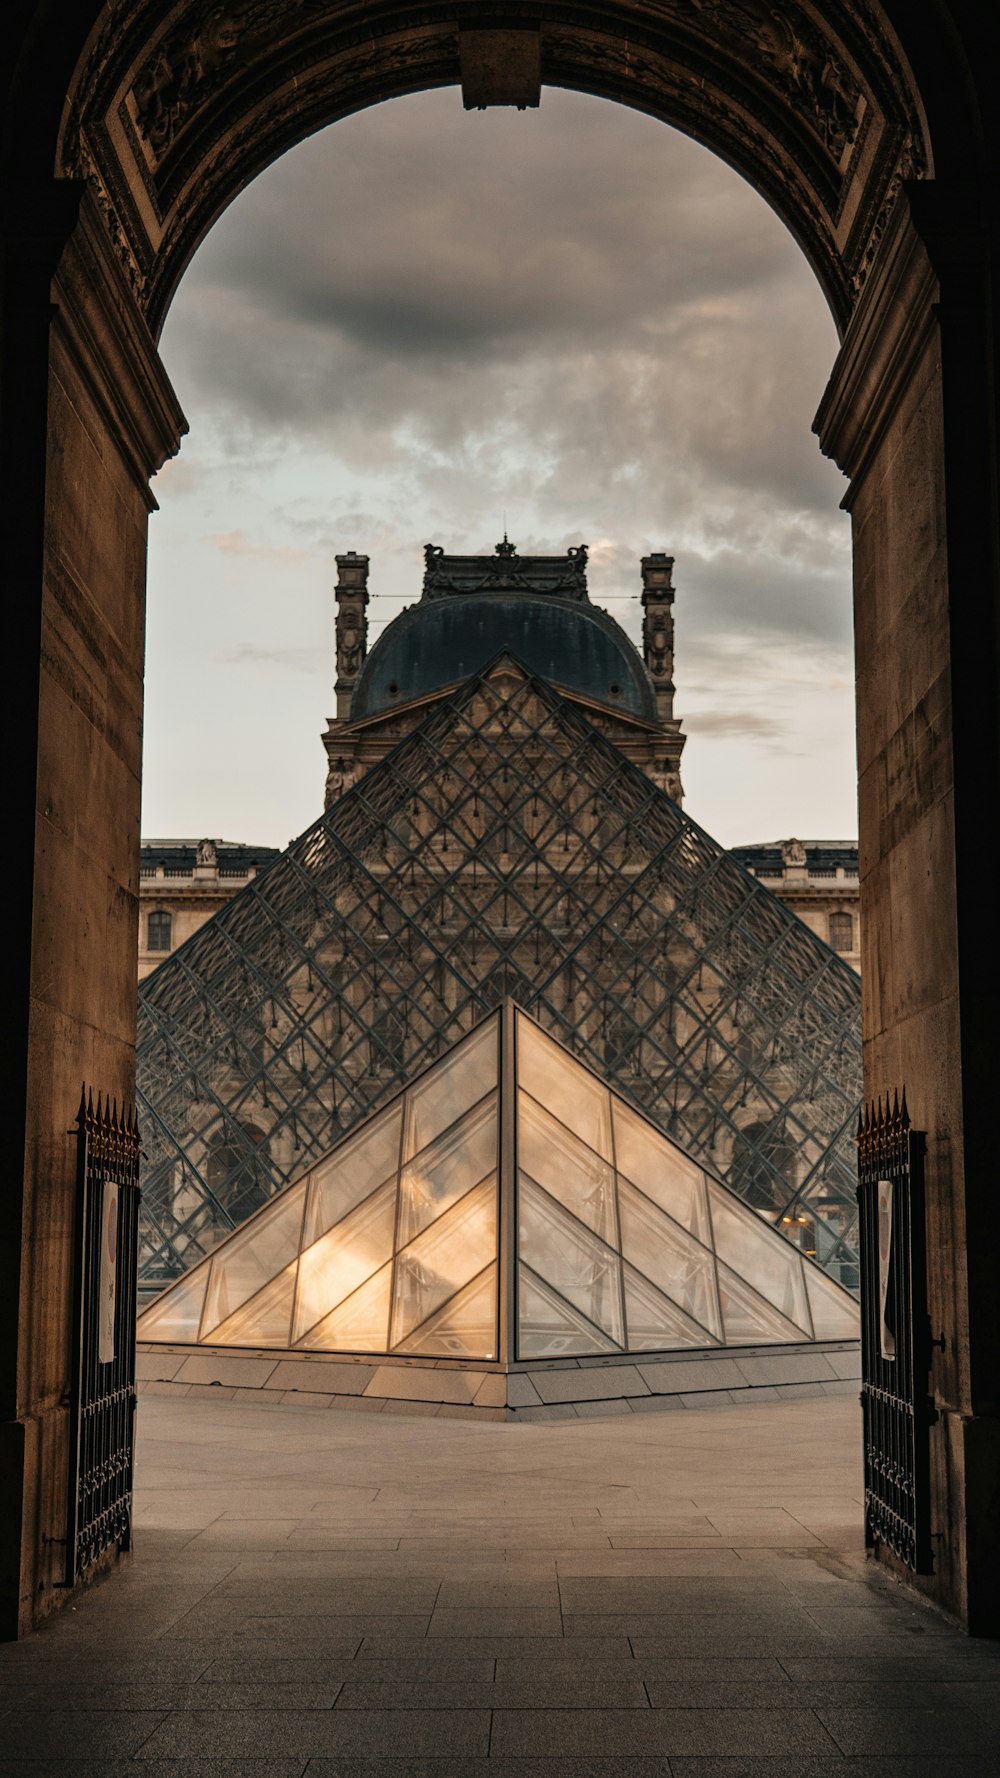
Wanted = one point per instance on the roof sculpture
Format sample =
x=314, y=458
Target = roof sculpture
x=504, y=1206
x=504, y=847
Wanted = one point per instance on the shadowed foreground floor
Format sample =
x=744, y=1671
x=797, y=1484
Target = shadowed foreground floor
x=672, y=1595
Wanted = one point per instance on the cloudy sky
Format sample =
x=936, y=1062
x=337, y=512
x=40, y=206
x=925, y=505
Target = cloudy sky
x=423, y=322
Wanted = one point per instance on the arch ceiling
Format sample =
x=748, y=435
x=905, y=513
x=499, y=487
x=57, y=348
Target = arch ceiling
x=174, y=107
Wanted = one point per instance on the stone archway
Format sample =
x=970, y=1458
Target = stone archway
x=130, y=127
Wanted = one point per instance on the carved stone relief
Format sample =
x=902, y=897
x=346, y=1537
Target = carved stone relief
x=788, y=88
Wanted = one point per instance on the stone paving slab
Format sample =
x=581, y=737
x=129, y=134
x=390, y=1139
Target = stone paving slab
x=640, y=1598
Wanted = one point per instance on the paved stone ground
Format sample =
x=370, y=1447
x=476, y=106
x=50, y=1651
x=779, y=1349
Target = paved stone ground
x=672, y=1595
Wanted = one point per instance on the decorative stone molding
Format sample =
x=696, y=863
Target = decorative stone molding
x=176, y=105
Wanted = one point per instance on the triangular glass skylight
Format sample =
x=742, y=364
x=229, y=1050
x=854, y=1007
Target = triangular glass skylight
x=506, y=1171
x=504, y=847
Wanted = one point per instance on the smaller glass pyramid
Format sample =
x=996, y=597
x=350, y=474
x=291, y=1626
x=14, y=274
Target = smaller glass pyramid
x=505, y=1174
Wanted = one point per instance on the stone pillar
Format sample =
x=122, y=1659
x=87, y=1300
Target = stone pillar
x=352, y=627
x=88, y=417
x=658, y=629
x=911, y=416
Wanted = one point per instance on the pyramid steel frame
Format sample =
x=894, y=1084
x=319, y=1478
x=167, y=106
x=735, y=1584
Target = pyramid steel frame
x=504, y=847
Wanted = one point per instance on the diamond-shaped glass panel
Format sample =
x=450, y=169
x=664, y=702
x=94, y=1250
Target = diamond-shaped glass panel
x=359, y=1324
x=343, y=1258
x=666, y=1254
x=746, y=1244
x=352, y=1171
x=661, y=1170
x=266, y=1320
x=447, y=1092
x=575, y=1098
x=466, y=1327
x=582, y=1270
x=450, y=1253
x=549, y=1327
x=251, y=1259
x=441, y=1174
x=567, y=1168
x=654, y=1323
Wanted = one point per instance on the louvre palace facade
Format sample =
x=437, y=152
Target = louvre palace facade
x=503, y=824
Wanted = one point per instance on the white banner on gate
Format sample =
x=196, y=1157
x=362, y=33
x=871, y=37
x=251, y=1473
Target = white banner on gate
x=108, y=1281
x=886, y=1308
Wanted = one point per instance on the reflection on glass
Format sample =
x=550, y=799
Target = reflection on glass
x=177, y=1314
x=653, y=1323
x=359, y=1324
x=458, y=1082
x=341, y=1260
x=566, y=1090
x=452, y=1251
x=834, y=1316
x=669, y=1258
x=445, y=1171
x=749, y=1320
x=661, y=1170
x=568, y=1169
x=606, y=1261
x=466, y=1327
x=266, y=1319
x=253, y=1256
x=351, y=1173
x=749, y=1246
x=579, y=1267
x=548, y=1327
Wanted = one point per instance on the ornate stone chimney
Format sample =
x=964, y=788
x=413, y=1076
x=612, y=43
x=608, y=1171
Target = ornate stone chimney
x=658, y=629
x=352, y=626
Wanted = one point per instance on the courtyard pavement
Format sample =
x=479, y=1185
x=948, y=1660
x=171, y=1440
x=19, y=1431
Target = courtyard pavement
x=668, y=1595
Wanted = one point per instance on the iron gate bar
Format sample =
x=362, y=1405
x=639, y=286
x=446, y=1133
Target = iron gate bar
x=896, y=1404
x=103, y=1397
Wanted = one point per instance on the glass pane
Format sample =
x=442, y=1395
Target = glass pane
x=579, y=1266
x=443, y=1173
x=359, y=1324
x=465, y=1328
x=669, y=1258
x=352, y=1172
x=452, y=1251
x=654, y=1324
x=250, y=1259
x=549, y=1328
x=835, y=1315
x=265, y=1320
x=661, y=1170
x=566, y=1168
x=449, y=1090
x=765, y=1259
x=750, y=1321
x=341, y=1260
x=568, y=1091
x=177, y=1316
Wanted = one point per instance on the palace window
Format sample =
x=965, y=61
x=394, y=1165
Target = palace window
x=158, y=932
x=842, y=932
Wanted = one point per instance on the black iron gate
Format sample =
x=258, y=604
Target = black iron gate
x=103, y=1387
x=895, y=1333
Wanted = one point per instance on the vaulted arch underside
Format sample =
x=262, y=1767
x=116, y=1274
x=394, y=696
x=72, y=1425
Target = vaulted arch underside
x=173, y=109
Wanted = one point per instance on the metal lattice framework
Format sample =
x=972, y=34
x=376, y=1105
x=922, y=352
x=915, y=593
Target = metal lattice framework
x=505, y=847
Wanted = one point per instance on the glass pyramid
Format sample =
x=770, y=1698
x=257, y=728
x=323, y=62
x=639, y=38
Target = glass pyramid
x=507, y=1205
x=504, y=847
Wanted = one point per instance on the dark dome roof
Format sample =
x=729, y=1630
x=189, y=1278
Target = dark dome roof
x=440, y=641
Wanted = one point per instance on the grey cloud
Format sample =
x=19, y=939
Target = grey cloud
x=735, y=722
x=576, y=315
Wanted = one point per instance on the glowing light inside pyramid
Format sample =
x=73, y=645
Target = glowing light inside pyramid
x=619, y=1242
